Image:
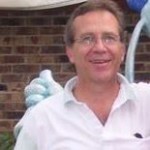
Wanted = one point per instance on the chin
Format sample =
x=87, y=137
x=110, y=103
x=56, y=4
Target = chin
x=104, y=76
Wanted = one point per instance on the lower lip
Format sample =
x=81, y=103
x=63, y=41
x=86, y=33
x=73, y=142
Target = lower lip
x=101, y=64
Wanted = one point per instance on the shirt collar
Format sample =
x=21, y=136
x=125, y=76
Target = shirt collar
x=69, y=88
x=126, y=93
x=125, y=88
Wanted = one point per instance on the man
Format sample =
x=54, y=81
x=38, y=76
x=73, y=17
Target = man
x=98, y=109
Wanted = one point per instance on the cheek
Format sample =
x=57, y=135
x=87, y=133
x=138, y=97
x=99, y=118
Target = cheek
x=75, y=55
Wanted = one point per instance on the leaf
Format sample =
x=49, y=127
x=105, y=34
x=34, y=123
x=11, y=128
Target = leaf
x=6, y=141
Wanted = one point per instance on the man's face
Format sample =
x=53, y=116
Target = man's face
x=97, y=51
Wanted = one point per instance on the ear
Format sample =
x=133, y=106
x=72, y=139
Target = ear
x=70, y=54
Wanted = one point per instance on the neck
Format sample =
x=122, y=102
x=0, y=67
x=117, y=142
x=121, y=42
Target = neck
x=98, y=97
x=91, y=91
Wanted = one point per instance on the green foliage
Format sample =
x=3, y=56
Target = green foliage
x=6, y=141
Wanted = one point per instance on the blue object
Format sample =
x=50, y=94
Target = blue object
x=136, y=5
x=142, y=25
x=40, y=88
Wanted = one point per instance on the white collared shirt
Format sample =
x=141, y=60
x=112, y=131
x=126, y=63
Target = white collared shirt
x=63, y=123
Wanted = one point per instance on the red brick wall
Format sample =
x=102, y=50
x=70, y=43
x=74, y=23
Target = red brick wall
x=31, y=41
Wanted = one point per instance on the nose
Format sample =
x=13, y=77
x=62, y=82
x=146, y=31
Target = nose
x=99, y=45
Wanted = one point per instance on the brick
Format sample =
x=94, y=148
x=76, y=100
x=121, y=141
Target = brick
x=52, y=49
x=16, y=97
x=5, y=49
x=7, y=78
x=144, y=38
x=144, y=57
x=52, y=30
x=142, y=76
x=12, y=40
x=4, y=13
x=6, y=30
x=11, y=59
x=58, y=40
x=61, y=58
x=35, y=59
x=27, y=49
x=3, y=87
x=11, y=21
x=5, y=96
x=1, y=115
x=16, y=86
x=60, y=20
x=13, y=114
x=147, y=47
x=2, y=106
x=139, y=67
x=140, y=48
x=7, y=125
x=25, y=30
x=4, y=68
x=12, y=106
x=147, y=66
x=52, y=67
x=38, y=40
x=25, y=68
x=18, y=14
x=38, y=21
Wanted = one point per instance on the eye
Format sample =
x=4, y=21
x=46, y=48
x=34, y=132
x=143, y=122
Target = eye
x=110, y=39
x=88, y=39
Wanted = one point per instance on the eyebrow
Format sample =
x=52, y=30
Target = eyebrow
x=105, y=33
x=111, y=33
x=86, y=34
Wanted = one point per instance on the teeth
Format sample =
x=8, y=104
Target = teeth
x=99, y=61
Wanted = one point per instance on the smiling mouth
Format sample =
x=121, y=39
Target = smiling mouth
x=99, y=61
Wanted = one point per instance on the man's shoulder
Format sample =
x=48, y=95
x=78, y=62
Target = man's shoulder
x=141, y=86
x=142, y=90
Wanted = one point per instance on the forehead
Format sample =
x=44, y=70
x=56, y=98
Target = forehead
x=96, y=22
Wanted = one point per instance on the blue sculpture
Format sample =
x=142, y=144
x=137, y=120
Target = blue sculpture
x=143, y=24
x=40, y=88
x=136, y=5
